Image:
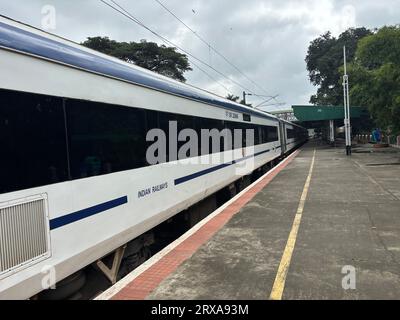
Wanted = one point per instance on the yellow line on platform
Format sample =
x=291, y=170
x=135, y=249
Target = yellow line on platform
x=280, y=279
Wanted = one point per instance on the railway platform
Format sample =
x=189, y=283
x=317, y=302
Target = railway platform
x=319, y=225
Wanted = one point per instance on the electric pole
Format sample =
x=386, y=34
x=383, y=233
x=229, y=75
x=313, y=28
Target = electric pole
x=347, y=126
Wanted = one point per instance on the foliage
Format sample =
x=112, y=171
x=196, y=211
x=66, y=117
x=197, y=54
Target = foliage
x=375, y=77
x=232, y=97
x=236, y=99
x=161, y=59
x=324, y=58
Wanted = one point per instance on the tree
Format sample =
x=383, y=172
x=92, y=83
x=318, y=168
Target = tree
x=234, y=98
x=324, y=58
x=161, y=59
x=375, y=77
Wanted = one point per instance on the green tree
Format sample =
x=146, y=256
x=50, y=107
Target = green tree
x=324, y=58
x=375, y=77
x=234, y=98
x=161, y=59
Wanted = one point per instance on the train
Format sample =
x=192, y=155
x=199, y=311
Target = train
x=75, y=181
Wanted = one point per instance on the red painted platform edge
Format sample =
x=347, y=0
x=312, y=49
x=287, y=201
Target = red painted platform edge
x=149, y=280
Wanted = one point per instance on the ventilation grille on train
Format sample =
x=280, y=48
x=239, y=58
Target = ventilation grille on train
x=24, y=237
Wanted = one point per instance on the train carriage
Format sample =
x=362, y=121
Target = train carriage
x=75, y=181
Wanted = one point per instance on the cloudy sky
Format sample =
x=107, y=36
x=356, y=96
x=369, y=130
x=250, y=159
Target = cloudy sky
x=265, y=39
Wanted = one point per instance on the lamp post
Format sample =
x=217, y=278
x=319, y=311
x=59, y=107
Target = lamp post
x=347, y=126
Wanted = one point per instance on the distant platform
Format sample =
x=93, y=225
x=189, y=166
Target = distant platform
x=318, y=226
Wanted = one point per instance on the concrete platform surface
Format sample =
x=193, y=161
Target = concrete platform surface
x=336, y=238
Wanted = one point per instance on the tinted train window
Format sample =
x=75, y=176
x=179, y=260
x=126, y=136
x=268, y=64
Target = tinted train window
x=151, y=120
x=32, y=139
x=232, y=126
x=256, y=135
x=268, y=134
x=257, y=131
x=246, y=117
x=209, y=124
x=163, y=120
x=264, y=134
x=185, y=122
x=290, y=133
x=151, y=123
x=104, y=139
x=246, y=142
x=273, y=134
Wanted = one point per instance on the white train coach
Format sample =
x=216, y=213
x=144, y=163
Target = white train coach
x=75, y=184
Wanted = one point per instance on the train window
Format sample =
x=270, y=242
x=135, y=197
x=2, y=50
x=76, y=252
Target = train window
x=209, y=124
x=268, y=134
x=290, y=133
x=265, y=134
x=248, y=129
x=242, y=127
x=151, y=119
x=185, y=122
x=104, y=138
x=246, y=117
x=273, y=134
x=260, y=135
x=238, y=126
x=32, y=139
x=231, y=126
x=256, y=134
x=163, y=120
x=151, y=123
x=225, y=139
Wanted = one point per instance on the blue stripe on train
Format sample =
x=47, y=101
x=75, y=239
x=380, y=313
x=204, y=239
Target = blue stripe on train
x=82, y=214
x=220, y=166
x=85, y=213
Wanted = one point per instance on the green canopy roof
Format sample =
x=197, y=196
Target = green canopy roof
x=320, y=113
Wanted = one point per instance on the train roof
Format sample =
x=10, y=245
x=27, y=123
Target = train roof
x=28, y=40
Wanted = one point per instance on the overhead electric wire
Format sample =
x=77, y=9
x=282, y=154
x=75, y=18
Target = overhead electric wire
x=212, y=48
x=168, y=42
x=211, y=77
x=128, y=15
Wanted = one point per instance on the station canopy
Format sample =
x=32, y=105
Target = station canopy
x=304, y=113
